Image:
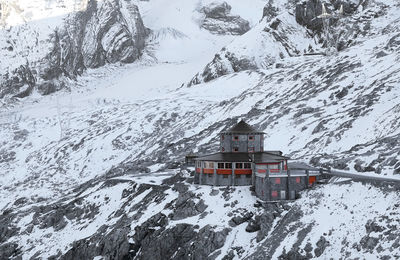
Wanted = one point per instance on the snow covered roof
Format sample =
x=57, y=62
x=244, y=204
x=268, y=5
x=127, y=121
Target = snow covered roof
x=242, y=128
x=260, y=157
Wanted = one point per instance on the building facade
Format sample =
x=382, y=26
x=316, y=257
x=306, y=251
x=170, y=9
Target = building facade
x=242, y=161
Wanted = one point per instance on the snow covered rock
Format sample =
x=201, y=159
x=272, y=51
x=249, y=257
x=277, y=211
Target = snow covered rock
x=107, y=31
x=219, y=21
x=270, y=41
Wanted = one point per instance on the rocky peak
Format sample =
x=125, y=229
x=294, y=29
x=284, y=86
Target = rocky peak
x=218, y=20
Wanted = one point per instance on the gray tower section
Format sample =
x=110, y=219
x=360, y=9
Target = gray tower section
x=242, y=138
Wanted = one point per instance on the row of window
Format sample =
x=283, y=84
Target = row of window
x=237, y=165
x=278, y=180
x=236, y=149
x=237, y=176
x=227, y=165
x=236, y=137
x=274, y=194
x=268, y=166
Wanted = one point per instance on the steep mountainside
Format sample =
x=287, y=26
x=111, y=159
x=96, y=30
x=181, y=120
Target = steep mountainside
x=104, y=32
x=95, y=170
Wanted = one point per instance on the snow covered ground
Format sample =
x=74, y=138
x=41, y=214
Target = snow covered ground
x=341, y=111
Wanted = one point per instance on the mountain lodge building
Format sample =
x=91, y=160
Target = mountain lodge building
x=242, y=161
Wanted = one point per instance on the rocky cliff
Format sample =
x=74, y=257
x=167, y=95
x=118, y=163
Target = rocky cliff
x=105, y=32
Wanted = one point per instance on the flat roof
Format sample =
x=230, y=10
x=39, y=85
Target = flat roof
x=259, y=157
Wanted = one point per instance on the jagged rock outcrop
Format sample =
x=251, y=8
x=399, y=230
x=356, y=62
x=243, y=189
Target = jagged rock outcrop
x=18, y=83
x=275, y=36
x=223, y=63
x=106, y=32
x=308, y=11
x=218, y=20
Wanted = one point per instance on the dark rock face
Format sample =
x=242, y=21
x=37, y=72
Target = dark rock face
x=101, y=34
x=219, y=21
x=106, y=32
x=114, y=245
x=182, y=242
x=321, y=246
x=237, y=220
x=270, y=11
x=185, y=205
x=19, y=83
x=307, y=12
x=218, y=67
x=9, y=251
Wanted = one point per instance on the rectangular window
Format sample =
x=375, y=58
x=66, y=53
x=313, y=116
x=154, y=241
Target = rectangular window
x=298, y=180
x=209, y=165
x=236, y=138
x=225, y=176
x=283, y=195
x=237, y=176
x=248, y=175
x=251, y=138
x=239, y=165
x=273, y=166
x=247, y=165
x=221, y=166
x=210, y=175
x=228, y=165
x=277, y=180
x=274, y=194
x=251, y=149
x=236, y=149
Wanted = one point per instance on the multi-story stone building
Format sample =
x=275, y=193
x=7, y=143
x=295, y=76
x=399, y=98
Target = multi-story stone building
x=243, y=161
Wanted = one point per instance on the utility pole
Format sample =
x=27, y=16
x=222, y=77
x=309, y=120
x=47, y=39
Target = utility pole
x=329, y=41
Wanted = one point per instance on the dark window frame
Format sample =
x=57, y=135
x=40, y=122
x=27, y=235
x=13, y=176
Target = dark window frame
x=246, y=165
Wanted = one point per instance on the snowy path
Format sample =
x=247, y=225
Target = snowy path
x=362, y=176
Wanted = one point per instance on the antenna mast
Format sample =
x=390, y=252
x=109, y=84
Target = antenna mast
x=329, y=41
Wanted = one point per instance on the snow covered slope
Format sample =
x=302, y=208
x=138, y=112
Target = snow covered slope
x=89, y=166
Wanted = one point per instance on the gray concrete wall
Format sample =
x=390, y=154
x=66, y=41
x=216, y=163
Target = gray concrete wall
x=219, y=180
x=228, y=142
x=207, y=179
x=298, y=186
x=242, y=180
x=264, y=187
x=224, y=180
